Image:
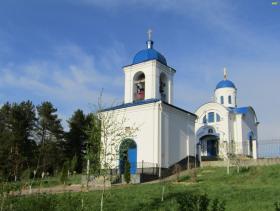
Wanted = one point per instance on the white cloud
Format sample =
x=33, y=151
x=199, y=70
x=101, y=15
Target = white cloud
x=70, y=80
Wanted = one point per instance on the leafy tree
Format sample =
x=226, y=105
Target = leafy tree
x=93, y=146
x=17, y=145
x=74, y=164
x=127, y=171
x=111, y=130
x=50, y=137
x=64, y=173
x=76, y=138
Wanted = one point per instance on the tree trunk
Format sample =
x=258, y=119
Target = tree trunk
x=88, y=176
x=228, y=166
x=162, y=193
x=102, y=196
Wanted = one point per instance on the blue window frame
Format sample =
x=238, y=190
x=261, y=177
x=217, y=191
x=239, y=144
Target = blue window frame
x=211, y=117
x=222, y=99
x=229, y=99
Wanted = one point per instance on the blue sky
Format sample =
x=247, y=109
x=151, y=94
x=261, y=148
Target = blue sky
x=66, y=51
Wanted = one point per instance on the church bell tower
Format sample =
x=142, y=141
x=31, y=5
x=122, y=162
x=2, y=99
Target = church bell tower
x=149, y=76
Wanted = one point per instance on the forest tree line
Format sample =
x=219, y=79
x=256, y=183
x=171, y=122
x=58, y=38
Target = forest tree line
x=33, y=142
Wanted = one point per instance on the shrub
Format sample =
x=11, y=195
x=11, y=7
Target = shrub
x=177, y=170
x=184, y=178
x=198, y=202
x=218, y=205
x=38, y=202
x=277, y=206
x=127, y=171
x=64, y=173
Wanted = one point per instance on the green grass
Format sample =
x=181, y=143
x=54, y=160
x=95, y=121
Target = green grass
x=255, y=188
x=44, y=183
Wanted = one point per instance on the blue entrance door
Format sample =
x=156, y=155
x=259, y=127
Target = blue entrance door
x=132, y=158
x=211, y=148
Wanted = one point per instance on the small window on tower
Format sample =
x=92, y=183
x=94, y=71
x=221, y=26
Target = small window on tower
x=211, y=117
x=229, y=99
x=222, y=99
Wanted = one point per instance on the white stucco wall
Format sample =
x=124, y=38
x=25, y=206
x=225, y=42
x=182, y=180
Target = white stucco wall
x=178, y=136
x=221, y=128
x=163, y=135
x=146, y=119
x=232, y=127
x=225, y=92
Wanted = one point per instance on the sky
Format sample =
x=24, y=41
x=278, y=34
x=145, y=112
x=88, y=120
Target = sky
x=67, y=51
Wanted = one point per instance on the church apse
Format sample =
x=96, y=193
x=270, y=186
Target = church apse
x=139, y=86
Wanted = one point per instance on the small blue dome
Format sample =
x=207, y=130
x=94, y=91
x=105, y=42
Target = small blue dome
x=225, y=84
x=148, y=54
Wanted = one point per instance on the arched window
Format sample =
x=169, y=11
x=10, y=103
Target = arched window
x=229, y=99
x=222, y=99
x=210, y=130
x=218, y=118
x=139, y=86
x=211, y=117
x=163, y=87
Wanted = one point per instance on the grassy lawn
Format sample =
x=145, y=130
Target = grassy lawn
x=256, y=188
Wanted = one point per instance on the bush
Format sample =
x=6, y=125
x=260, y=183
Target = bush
x=198, y=202
x=277, y=206
x=184, y=178
x=38, y=202
x=127, y=171
x=64, y=173
x=218, y=205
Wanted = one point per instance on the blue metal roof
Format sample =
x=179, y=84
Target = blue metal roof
x=126, y=105
x=225, y=84
x=148, y=54
x=142, y=102
x=241, y=110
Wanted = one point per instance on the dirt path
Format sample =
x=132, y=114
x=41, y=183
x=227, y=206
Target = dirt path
x=55, y=189
x=82, y=188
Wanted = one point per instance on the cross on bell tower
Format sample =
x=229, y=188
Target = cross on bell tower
x=150, y=41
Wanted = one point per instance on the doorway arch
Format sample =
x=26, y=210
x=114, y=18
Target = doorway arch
x=209, y=145
x=128, y=151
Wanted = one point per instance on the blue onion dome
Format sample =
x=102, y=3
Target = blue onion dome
x=225, y=84
x=149, y=54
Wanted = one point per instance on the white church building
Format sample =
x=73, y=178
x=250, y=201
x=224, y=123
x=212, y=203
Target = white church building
x=166, y=133
x=223, y=127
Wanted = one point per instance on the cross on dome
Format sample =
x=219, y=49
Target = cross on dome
x=149, y=32
x=225, y=73
x=149, y=41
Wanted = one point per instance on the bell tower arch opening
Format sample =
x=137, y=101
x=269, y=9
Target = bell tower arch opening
x=163, y=87
x=139, y=86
